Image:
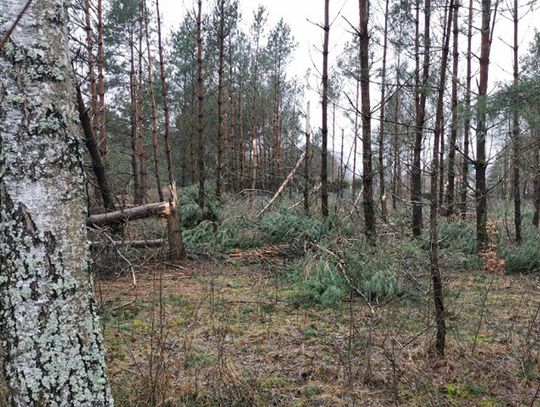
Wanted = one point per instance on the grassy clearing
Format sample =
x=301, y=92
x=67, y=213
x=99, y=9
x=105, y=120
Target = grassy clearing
x=232, y=337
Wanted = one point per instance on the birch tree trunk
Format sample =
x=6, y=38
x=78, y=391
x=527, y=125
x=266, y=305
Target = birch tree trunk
x=48, y=320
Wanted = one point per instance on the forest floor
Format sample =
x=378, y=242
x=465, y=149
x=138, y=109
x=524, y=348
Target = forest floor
x=201, y=333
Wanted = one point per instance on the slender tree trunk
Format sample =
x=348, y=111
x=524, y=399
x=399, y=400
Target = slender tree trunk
x=450, y=193
x=433, y=217
x=91, y=67
x=355, y=142
x=49, y=326
x=176, y=244
x=481, y=130
x=440, y=198
x=155, y=128
x=193, y=137
x=467, y=124
x=93, y=149
x=333, y=158
x=324, y=146
x=369, y=209
x=420, y=101
x=219, y=146
x=200, y=98
x=101, y=84
x=134, y=140
x=382, y=192
x=536, y=215
x=516, y=137
x=396, y=178
x=143, y=177
x=306, y=166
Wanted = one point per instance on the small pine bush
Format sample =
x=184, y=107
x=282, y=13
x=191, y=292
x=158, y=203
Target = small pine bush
x=525, y=258
x=321, y=281
x=285, y=225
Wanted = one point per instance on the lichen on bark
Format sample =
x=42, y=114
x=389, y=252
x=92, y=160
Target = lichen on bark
x=50, y=332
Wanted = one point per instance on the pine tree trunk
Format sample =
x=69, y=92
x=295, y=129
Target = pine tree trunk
x=433, y=216
x=467, y=120
x=481, y=130
x=355, y=143
x=515, y=135
x=53, y=348
x=324, y=146
x=369, y=209
x=396, y=176
x=382, y=192
x=91, y=69
x=536, y=215
x=219, y=142
x=143, y=176
x=306, y=167
x=176, y=244
x=133, y=117
x=153, y=105
x=200, y=112
x=420, y=101
x=450, y=193
x=101, y=84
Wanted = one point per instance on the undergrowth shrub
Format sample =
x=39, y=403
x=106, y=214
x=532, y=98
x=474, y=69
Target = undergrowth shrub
x=324, y=280
x=192, y=214
x=457, y=235
x=285, y=225
x=524, y=258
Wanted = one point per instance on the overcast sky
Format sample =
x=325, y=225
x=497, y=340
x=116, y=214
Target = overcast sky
x=303, y=15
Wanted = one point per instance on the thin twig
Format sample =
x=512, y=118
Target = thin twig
x=8, y=33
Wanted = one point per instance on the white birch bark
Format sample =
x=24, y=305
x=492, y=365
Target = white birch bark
x=50, y=332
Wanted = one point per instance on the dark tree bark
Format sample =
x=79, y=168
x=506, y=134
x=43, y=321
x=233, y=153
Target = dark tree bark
x=133, y=117
x=355, y=142
x=143, y=175
x=100, y=121
x=324, y=146
x=200, y=112
x=93, y=149
x=382, y=189
x=396, y=176
x=438, y=296
x=536, y=215
x=467, y=123
x=91, y=68
x=219, y=139
x=516, y=137
x=450, y=193
x=369, y=209
x=306, y=167
x=420, y=101
x=480, y=164
x=153, y=105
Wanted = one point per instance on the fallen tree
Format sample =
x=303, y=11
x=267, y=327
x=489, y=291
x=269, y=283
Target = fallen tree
x=161, y=209
x=284, y=184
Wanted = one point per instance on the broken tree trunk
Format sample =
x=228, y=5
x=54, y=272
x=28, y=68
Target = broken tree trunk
x=284, y=184
x=161, y=209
